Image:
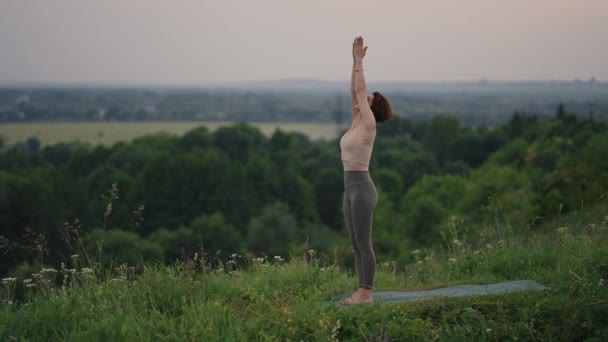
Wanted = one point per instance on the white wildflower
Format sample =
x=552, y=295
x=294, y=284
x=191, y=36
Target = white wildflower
x=8, y=280
x=452, y=259
x=27, y=281
x=488, y=330
x=416, y=251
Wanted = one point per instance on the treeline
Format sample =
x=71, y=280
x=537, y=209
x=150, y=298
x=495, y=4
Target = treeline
x=475, y=104
x=162, y=197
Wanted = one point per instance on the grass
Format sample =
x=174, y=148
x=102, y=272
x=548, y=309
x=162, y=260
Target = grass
x=109, y=133
x=278, y=300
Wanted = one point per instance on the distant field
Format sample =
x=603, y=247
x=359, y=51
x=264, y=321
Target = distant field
x=108, y=133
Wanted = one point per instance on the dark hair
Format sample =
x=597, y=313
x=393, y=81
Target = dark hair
x=381, y=108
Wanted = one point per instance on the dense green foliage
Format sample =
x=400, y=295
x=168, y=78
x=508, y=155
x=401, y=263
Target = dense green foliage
x=235, y=190
x=277, y=300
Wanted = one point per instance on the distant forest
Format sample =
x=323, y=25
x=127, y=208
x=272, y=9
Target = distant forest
x=235, y=190
x=474, y=103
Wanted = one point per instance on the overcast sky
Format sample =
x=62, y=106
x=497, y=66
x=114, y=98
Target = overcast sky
x=198, y=42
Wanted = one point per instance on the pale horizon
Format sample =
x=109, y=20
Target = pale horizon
x=206, y=43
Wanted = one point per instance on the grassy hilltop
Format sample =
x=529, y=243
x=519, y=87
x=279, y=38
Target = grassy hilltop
x=270, y=299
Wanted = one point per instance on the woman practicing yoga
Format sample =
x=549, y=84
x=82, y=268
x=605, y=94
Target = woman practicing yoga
x=360, y=195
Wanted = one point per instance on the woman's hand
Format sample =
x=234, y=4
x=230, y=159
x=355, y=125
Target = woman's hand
x=358, y=49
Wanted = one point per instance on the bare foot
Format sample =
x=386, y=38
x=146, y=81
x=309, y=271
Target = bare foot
x=362, y=296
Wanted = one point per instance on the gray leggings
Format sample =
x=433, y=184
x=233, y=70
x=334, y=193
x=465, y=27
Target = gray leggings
x=360, y=199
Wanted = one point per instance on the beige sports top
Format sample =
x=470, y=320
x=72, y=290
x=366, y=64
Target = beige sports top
x=356, y=145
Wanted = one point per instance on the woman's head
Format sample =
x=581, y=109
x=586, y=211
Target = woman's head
x=380, y=107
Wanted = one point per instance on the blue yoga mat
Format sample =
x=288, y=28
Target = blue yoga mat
x=452, y=291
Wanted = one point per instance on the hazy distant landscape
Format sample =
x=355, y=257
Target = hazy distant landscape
x=480, y=103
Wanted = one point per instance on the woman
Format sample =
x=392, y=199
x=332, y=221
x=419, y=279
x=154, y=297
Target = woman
x=359, y=191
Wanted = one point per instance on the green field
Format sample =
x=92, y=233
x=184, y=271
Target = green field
x=108, y=133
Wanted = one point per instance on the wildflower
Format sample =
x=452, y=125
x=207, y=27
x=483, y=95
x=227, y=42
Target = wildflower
x=74, y=256
x=8, y=280
x=477, y=252
x=419, y=262
x=27, y=281
x=86, y=270
x=457, y=242
x=416, y=251
x=312, y=252
x=30, y=285
x=278, y=258
x=48, y=270
x=488, y=330
x=452, y=259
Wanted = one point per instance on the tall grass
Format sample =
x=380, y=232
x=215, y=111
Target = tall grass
x=278, y=300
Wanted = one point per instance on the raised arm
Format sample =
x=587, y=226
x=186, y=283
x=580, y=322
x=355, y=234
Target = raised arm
x=360, y=87
x=353, y=95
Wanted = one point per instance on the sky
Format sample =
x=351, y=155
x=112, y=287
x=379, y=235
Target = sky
x=206, y=42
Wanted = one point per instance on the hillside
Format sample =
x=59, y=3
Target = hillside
x=271, y=299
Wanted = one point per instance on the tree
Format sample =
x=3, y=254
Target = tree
x=329, y=189
x=239, y=141
x=196, y=138
x=115, y=247
x=216, y=234
x=430, y=201
x=439, y=134
x=273, y=231
x=390, y=182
